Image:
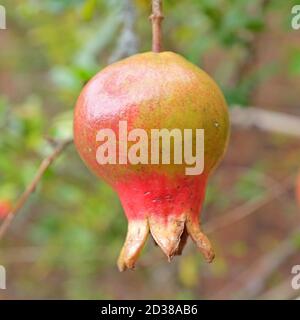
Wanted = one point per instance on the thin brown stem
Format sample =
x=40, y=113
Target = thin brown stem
x=33, y=184
x=156, y=18
x=249, y=207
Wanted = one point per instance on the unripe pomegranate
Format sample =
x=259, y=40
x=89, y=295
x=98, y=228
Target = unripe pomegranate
x=154, y=91
x=5, y=208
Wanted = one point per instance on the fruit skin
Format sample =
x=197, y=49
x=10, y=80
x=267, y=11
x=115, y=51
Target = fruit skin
x=5, y=208
x=154, y=90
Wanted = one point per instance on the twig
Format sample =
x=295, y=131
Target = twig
x=264, y=179
x=248, y=207
x=32, y=254
x=33, y=184
x=251, y=57
x=127, y=42
x=282, y=291
x=253, y=279
x=156, y=18
x=272, y=121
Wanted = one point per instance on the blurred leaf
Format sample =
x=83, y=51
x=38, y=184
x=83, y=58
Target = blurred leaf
x=188, y=271
x=255, y=24
x=62, y=127
x=239, y=249
x=250, y=186
x=294, y=63
x=220, y=267
x=88, y=9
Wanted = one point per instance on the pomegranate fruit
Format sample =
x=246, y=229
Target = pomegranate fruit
x=154, y=90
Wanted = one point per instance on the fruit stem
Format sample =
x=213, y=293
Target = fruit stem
x=156, y=18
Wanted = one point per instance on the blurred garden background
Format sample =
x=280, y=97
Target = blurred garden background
x=65, y=241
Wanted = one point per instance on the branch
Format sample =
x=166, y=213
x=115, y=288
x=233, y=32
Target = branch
x=281, y=291
x=33, y=184
x=156, y=18
x=127, y=43
x=248, y=207
x=250, y=283
x=272, y=121
x=251, y=58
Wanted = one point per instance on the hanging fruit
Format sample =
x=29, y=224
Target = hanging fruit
x=114, y=120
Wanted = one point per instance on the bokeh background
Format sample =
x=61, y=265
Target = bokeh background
x=65, y=241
